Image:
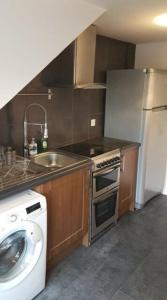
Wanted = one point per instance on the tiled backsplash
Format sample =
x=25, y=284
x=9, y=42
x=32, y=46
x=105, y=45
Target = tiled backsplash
x=69, y=114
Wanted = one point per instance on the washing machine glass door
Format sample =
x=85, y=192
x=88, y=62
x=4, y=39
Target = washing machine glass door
x=20, y=250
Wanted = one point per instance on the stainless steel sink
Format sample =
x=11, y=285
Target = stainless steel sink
x=54, y=159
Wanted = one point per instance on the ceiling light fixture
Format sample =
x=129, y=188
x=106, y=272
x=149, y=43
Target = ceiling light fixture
x=161, y=20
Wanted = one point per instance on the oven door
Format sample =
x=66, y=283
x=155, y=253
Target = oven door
x=104, y=212
x=105, y=180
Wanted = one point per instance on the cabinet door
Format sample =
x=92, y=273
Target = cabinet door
x=67, y=204
x=128, y=180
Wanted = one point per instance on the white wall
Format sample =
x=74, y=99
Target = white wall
x=153, y=55
x=33, y=33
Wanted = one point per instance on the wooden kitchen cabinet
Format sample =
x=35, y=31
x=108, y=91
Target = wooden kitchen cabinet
x=67, y=205
x=127, y=180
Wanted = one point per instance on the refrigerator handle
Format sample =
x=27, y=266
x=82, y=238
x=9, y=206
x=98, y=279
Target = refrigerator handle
x=156, y=108
x=159, y=108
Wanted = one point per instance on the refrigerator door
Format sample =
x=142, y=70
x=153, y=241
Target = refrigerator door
x=152, y=162
x=156, y=172
x=142, y=160
x=124, y=104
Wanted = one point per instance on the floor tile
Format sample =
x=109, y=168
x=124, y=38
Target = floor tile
x=149, y=281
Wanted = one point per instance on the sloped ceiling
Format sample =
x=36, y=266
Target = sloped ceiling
x=131, y=20
x=33, y=33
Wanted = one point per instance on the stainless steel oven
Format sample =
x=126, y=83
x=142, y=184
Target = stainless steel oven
x=106, y=179
x=104, y=185
x=105, y=191
x=104, y=212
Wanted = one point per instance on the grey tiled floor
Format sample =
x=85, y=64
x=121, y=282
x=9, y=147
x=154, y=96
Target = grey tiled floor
x=128, y=262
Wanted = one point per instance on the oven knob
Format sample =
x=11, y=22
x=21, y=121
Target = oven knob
x=98, y=166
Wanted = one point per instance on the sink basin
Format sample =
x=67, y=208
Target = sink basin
x=53, y=159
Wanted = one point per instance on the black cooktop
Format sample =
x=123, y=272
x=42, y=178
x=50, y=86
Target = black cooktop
x=85, y=149
x=97, y=146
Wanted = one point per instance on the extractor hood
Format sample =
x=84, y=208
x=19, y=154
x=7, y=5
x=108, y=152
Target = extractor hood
x=75, y=66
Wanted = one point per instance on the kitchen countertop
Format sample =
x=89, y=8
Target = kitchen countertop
x=26, y=174
x=113, y=143
x=17, y=178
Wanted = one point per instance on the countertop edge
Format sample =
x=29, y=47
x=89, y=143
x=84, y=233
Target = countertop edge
x=44, y=178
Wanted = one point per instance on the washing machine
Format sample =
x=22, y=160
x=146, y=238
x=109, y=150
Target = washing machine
x=23, y=229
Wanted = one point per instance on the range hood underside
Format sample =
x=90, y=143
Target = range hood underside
x=90, y=86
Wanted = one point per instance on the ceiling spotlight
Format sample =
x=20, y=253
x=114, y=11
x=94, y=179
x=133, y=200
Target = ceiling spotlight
x=161, y=20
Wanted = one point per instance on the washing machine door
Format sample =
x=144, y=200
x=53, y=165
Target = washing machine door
x=20, y=249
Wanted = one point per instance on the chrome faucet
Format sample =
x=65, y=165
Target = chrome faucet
x=33, y=124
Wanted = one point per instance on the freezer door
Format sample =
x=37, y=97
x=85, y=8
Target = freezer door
x=124, y=104
x=156, y=94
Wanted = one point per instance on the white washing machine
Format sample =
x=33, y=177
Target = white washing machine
x=23, y=224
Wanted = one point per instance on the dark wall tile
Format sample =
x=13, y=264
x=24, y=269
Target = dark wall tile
x=80, y=128
x=62, y=101
x=60, y=134
x=16, y=137
x=97, y=101
x=80, y=115
x=4, y=129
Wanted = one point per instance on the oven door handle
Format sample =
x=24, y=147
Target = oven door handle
x=107, y=172
x=103, y=197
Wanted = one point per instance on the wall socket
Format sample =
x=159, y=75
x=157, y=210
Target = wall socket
x=93, y=122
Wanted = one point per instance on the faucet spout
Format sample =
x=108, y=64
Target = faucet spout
x=45, y=124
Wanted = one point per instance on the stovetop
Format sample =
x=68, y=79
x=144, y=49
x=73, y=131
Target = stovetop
x=88, y=150
x=101, y=155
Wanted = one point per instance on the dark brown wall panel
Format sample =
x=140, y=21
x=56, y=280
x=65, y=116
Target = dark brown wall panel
x=70, y=111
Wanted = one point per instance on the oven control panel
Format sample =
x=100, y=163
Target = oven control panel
x=108, y=159
x=108, y=162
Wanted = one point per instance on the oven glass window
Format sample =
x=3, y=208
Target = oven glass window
x=105, y=180
x=105, y=209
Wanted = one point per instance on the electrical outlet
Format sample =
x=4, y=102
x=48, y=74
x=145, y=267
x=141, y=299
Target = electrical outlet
x=93, y=122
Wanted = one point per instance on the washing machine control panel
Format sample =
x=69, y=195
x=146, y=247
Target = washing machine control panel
x=33, y=208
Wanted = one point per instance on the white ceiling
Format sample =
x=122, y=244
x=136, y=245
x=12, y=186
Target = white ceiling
x=131, y=20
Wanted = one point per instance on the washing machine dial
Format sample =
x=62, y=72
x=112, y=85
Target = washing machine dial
x=12, y=218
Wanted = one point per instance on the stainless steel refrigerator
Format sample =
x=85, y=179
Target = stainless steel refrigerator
x=136, y=110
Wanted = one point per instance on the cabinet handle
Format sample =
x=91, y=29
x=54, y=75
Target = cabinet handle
x=122, y=168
